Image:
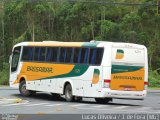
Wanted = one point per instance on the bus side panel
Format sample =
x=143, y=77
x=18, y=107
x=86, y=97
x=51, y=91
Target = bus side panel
x=50, y=85
x=78, y=86
x=92, y=81
x=30, y=85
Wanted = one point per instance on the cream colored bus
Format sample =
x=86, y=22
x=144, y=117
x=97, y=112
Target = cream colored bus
x=96, y=69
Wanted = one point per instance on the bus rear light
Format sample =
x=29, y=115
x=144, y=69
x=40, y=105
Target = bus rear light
x=145, y=85
x=107, y=83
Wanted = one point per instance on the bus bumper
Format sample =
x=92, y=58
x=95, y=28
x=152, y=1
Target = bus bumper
x=138, y=95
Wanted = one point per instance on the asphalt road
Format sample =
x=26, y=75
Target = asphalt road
x=45, y=103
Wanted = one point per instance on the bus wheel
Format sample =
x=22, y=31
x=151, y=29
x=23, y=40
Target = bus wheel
x=78, y=99
x=68, y=93
x=23, y=90
x=103, y=100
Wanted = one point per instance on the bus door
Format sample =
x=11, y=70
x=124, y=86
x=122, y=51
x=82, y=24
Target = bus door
x=14, y=64
x=127, y=70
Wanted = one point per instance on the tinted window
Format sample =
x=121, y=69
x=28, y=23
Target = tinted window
x=77, y=55
x=99, y=56
x=52, y=53
x=27, y=54
x=84, y=55
x=39, y=54
x=92, y=56
x=69, y=54
x=95, y=56
x=42, y=54
x=62, y=55
x=36, y=52
x=15, y=59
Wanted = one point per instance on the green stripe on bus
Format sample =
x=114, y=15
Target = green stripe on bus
x=90, y=44
x=120, y=51
x=121, y=68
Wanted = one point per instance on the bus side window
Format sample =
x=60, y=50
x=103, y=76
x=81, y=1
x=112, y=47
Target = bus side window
x=52, y=54
x=36, y=53
x=84, y=55
x=99, y=56
x=62, y=55
x=92, y=56
x=42, y=54
x=49, y=54
x=77, y=55
x=69, y=54
x=27, y=54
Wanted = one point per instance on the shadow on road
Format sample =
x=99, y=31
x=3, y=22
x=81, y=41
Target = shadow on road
x=49, y=97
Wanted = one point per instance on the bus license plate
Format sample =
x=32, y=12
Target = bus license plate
x=127, y=89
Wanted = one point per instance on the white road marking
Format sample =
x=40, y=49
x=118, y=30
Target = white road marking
x=1, y=102
x=78, y=105
x=54, y=105
x=36, y=104
x=121, y=107
x=99, y=106
x=144, y=108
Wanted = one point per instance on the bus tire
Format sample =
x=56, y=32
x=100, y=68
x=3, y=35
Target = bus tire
x=23, y=90
x=103, y=100
x=68, y=93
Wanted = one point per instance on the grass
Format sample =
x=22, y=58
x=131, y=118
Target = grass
x=154, y=79
x=154, y=88
x=4, y=85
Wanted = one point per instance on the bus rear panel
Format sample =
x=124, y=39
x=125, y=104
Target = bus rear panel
x=128, y=72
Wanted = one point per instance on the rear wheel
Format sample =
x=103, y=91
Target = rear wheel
x=68, y=93
x=23, y=90
x=103, y=100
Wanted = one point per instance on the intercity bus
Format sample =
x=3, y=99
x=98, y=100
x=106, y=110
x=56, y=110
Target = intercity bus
x=96, y=69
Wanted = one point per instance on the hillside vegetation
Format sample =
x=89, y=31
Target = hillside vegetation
x=136, y=21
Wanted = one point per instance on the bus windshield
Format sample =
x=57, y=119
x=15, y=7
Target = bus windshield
x=15, y=59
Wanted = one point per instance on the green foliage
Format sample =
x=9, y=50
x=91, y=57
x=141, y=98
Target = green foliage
x=4, y=74
x=154, y=79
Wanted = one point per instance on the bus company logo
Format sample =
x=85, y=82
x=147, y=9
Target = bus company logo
x=40, y=69
x=77, y=71
x=119, y=54
x=128, y=77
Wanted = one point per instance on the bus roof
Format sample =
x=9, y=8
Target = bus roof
x=61, y=44
x=77, y=44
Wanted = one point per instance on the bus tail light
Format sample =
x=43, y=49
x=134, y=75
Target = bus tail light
x=145, y=85
x=107, y=83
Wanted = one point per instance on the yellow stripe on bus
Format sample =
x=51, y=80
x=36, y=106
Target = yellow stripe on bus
x=57, y=44
x=36, y=71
